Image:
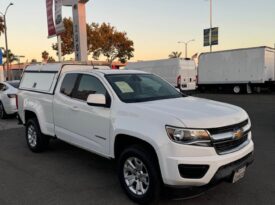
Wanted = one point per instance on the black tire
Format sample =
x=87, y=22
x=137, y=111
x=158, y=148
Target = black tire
x=38, y=142
x=3, y=114
x=153, y=189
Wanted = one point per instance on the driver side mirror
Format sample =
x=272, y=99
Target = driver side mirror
x=97, y=100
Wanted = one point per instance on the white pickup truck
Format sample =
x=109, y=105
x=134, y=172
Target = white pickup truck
x=157, y=135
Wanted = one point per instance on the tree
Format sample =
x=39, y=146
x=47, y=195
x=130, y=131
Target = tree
x=12, y=57
x=175, y=54
x=107, y=41
x=45, y=56
x=2, y=25
x=67, y=45
x=33, y=61
x=51, y=60
x=102, y=39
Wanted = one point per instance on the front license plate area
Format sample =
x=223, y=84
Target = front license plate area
x=239, y=174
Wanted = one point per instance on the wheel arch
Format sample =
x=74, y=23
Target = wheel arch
x=122, y=141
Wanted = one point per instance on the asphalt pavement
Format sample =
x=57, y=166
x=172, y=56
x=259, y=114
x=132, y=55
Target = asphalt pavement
x=68, y=175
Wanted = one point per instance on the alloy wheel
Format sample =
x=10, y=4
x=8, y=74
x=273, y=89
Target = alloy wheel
x=136, y=176
x=32, y=136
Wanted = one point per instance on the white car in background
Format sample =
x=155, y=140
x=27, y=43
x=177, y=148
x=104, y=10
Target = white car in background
x=8, y=91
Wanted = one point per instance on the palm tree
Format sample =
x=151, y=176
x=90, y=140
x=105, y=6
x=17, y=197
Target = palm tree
x=45, y=56
x=175, y=54
x=2, y=25
x=12, y=57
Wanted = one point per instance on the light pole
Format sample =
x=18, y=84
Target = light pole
x=211, y=25
x=6, y=36
x=186, y=46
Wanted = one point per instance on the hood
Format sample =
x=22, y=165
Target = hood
x=197, y=112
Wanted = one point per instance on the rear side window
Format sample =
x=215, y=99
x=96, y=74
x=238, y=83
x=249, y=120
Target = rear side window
x=89, y=85
x=38, y=81
x=68, y=84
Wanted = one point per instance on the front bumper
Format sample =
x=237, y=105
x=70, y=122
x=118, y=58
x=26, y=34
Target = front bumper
x=219, y=166
x=224, y=173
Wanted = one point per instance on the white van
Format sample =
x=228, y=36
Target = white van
x=181, y=73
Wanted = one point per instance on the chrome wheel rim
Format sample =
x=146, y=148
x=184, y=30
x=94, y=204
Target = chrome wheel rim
x=136, y=176
x=237, y=89
x=32, y=136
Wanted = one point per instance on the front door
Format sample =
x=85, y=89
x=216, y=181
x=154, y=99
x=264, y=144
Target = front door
x=79, y=123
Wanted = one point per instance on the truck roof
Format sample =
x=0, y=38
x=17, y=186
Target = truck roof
x=110, y=72
x=57, y=67
x=43, y=78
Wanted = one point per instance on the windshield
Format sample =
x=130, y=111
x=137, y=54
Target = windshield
x=132, y=88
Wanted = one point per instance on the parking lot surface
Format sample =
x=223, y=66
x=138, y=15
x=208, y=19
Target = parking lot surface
x=68, y=175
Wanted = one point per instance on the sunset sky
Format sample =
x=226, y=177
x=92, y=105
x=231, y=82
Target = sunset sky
x=155, y=26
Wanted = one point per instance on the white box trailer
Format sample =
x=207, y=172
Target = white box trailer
x=240, y=69
x=181, y=73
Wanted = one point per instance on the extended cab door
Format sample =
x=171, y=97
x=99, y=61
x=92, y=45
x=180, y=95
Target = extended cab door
x=77, y=122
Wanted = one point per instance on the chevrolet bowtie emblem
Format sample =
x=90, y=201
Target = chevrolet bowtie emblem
x=238, y=134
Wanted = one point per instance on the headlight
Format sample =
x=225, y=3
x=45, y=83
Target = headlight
x=189, y=136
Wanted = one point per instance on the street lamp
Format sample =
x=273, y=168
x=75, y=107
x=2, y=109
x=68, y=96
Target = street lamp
x=211, y=24
x=186, y=46
x=6, y=35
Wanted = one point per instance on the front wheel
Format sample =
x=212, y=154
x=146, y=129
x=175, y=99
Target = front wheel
x=139, y=175
x=36, y=140
x=3, y=113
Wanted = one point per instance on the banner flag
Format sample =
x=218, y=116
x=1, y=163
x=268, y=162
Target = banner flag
x=1, y=57
x=214, y=36
x=59, y=26
x=51, y=27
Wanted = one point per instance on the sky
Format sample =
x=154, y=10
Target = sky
x=155, y=26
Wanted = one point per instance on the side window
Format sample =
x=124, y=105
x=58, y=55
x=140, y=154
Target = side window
x=89, y=85
x=68, y=84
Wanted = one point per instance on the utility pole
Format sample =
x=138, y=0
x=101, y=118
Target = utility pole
x=211, y=25
x=59, y=48
x=6, y=39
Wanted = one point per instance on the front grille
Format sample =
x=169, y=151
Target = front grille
x=232, y=144
x=230, y=128
x=224, y=146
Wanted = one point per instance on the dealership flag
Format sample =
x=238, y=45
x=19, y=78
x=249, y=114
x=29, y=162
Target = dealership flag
x=59, y=26
x=51, y=27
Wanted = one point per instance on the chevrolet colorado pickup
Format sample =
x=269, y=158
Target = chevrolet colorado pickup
x=157, y=135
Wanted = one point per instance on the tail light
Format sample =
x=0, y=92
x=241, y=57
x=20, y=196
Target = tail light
x=16, y=101
x=179, y=81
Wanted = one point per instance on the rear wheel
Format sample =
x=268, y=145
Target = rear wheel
x=36, y=140
x=237, y=89
x=139, y=175
x=3, y=113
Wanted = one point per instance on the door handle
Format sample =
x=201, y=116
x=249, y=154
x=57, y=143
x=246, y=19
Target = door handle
x=74, y=108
